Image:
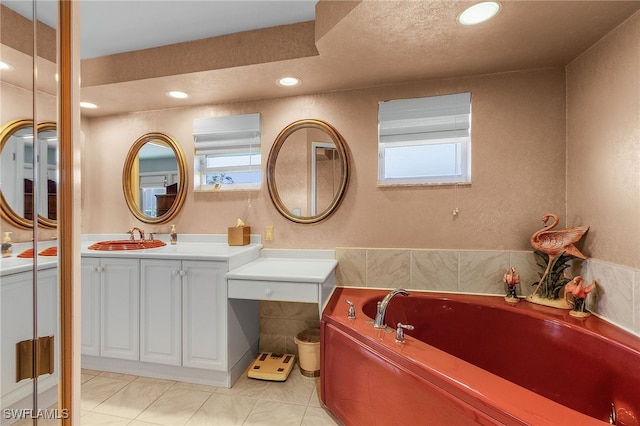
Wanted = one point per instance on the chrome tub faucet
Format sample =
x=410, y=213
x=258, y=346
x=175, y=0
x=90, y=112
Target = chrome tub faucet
x=382, y=307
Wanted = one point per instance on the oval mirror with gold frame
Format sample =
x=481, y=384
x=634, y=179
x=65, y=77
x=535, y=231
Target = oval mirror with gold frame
x=154, y=178
x=308, y=171
x=17, y=189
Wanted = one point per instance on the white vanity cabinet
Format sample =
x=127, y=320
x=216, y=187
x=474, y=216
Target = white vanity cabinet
x=183, y=313
x=164, y=312
x=111, y=288
x=16, y=325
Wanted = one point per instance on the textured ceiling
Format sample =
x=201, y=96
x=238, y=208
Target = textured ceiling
x=350, y=44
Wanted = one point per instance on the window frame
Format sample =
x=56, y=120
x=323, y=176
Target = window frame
x=458, y=135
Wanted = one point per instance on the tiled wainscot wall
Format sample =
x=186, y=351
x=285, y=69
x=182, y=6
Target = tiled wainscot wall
x=616, y=298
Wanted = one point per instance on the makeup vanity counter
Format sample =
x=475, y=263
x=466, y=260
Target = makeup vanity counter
x=286, y=275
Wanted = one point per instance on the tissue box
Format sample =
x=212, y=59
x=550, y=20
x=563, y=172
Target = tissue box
x=239, y=236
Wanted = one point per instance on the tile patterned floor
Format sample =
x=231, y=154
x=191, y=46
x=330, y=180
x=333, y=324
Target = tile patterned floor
x=118, y=399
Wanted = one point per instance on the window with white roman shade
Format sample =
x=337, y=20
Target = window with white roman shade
x=425, y=140
x=227, y=153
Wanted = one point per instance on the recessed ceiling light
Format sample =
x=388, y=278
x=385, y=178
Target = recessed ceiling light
x=5, y=66
x=88, y=105
x=289, y=81
x=479, y=12
x=177, y=94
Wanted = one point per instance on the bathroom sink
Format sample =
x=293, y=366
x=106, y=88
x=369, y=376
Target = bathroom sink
x=51, y=251
x=126, y=245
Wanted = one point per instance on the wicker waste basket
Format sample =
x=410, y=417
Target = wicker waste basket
x=308, y=342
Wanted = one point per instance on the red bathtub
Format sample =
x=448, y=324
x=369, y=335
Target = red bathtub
x=474, y=360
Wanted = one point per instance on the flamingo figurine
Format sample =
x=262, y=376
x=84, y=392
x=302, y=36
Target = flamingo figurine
x=553, y=243
x=511, y=279
x=579, y=292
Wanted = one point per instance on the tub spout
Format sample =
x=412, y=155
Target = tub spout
x=382, y=307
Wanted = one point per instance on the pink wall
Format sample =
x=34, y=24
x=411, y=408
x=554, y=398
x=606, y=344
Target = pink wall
x=603, y=145
x=518, y=152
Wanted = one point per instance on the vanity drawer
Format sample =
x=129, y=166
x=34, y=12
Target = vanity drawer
x=288, y=291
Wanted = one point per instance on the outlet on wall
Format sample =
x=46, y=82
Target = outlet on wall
x=268, y=233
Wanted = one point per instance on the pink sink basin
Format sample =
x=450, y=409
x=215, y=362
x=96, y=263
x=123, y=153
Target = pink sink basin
x=125, y=245
x=51, y=251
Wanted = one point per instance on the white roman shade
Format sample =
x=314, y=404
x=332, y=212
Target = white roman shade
x=427, y=119
x=229, y=135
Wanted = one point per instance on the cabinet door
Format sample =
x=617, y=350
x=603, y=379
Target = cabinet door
x=160, y=311
x=16, y=306
x=204, y=307
x=90, y=285
x=119, y=308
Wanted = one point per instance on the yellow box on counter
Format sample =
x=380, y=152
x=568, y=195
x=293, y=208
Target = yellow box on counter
x=239, y=235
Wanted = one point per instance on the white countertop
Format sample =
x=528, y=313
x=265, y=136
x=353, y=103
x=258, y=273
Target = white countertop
x=188, y=247
x=182, y=250
x=285, y=269
x=212, y=247
x=14, y=264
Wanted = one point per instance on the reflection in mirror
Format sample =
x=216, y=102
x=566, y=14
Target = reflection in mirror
x=307, y=171
x=157, y=178
x=154, y=178
x=16, y=157
x=326, y=173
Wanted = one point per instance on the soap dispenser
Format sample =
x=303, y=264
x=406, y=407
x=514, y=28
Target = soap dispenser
x=173, y=236
x=6, y=245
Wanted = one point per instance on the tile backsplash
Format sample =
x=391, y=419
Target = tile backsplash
x=436, y=270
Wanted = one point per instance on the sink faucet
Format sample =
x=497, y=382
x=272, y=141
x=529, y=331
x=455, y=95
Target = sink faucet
x=382, y=307
x=134, y=229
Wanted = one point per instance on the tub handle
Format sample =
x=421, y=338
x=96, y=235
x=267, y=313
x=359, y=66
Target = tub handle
x=351, y=314
x=400, y=331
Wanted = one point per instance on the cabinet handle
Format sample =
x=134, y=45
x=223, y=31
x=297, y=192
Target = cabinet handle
x=183, y=273
x=98, y=269
x=268, y=292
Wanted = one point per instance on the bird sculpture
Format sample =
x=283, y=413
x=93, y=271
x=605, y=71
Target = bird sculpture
x=511, y=279
x=579, y=292
x=558, y=242
x=576, y=288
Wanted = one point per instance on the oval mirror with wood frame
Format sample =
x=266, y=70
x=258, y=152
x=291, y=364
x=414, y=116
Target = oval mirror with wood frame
x=154, y=178
x=308, y=171
x=17, y=195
